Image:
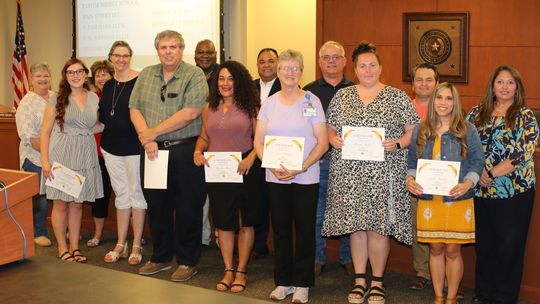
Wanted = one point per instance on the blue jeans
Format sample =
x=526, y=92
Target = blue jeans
x=39, y=202
x=320, y=241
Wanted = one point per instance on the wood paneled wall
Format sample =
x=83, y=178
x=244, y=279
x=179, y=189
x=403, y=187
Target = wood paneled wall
x=500, y=32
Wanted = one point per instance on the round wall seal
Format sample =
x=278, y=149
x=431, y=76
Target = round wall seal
x=435, y=46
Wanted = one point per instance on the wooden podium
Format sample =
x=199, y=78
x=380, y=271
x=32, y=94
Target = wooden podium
x=21, y=187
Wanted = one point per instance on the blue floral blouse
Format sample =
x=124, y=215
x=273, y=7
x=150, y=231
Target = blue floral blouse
x=501, y=143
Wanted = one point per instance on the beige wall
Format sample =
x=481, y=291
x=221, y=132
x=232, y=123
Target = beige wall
x=281, y=25
x=47, y=26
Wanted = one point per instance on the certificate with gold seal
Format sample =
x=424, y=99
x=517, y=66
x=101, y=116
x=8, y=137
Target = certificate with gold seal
x=283, y=151
x=66, y=180
x=437, y=177
x=362, y=143
x=222, y=167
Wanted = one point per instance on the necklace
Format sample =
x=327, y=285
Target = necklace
x=114, y=98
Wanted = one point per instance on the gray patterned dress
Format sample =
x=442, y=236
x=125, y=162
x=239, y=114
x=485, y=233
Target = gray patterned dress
x=75, y=148
x=370, y=195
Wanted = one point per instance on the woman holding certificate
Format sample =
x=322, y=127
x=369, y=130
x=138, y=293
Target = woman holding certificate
x=503, y=203
x=228, y=124
x=121, y=150
x=450, y=145
x=368, y=125
x=291, y=138
x=67, y=139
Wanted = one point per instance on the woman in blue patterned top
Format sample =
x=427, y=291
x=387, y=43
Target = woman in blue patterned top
x=503, y=204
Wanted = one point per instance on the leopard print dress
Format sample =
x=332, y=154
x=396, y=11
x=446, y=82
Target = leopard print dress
x=370, y=195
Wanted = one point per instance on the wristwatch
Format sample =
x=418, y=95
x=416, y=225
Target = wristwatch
x=490, y=174
x=398, y=146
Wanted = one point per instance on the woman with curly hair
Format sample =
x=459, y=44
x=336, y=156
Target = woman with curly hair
x=228, y=124
x=67, y=137
x=446, y=222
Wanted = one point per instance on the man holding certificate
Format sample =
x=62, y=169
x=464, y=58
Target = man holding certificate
x=231, y=166
x=292, y=122
x=445, y=162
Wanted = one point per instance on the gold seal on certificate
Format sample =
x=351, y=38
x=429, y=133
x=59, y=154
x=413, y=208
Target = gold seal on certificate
x=283, y=150
x=66, y=180
x=362, y=143
x=437, y=177
x=222, y=167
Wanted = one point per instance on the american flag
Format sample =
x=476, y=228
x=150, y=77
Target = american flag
x=19, y=68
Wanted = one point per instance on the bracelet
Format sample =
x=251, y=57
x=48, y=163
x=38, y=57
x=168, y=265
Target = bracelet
x=490, y=174
x=398, y=146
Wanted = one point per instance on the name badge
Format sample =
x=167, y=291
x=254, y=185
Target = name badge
x=309, y=110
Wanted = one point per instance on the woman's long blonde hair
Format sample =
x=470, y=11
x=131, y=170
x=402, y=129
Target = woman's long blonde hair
x=458, y=125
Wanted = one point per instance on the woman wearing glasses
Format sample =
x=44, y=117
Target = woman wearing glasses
x=293, y=193
x=368, y=198
x=121, y=150
x=67, y=137
x=102, y=71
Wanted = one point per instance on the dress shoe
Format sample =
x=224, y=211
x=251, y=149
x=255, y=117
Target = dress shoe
x=152, y=268
x=43, y=241
x=183, y=273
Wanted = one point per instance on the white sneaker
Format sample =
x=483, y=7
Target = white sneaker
x=301, y=295
x=281, y=292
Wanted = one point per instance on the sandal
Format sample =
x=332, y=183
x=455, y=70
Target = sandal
x=376, y=291
x=78, y=256
x=113, y=256
x=66, y=256
x=357, y=290
x=450, y=301
x=242, y=287
x=438, y=300
x=93, y=242
x=135, y=258
x=224, y=286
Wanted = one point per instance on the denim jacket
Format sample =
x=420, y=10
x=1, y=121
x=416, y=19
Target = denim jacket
x=471, y=167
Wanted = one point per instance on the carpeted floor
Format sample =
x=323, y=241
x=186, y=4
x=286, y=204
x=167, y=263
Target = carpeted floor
x=330, y=287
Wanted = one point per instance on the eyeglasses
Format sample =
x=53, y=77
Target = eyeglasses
x=293, y=69
x=205, y=52
x=162, y=93
x=78, y=72
x=118, y=56
x=331, y=58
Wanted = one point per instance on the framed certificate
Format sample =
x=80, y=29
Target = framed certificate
x=362, y=143
x=437, y=177
x=283, y=151
x=66, y=180
x=222, y=167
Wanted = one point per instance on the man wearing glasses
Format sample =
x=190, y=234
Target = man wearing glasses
x=332, y=63
x=165, y=108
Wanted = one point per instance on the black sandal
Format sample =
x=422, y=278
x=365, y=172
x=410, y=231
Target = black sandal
x=242, y=286
x=224, y=284
x=78, y=256
x=376, y=291
x=66, y=256
x=359, y=290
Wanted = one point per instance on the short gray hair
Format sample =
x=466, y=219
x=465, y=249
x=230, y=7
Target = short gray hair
x=331, y=43
x=42, y=66
x=167, y=34
x=290, y=54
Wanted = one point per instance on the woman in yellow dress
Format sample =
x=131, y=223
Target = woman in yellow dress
x=446, y=222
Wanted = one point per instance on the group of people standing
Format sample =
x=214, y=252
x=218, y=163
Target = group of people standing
x=189, y=110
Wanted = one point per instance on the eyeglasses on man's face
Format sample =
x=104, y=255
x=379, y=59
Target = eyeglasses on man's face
x=79, y=72
x=331, y=58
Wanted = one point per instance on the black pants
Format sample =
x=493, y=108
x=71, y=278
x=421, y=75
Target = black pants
x=176, y=213
x=100, y=208
x=501, y=235
x=261, y=230
x=293, y=208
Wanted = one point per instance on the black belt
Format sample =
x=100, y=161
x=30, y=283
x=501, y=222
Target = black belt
x=170, y=143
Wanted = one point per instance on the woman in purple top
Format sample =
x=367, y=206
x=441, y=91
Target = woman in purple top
x=228, y=124
x=293, y=193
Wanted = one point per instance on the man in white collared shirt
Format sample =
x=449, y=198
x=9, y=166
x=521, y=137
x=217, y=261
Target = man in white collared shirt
x=268, y=83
